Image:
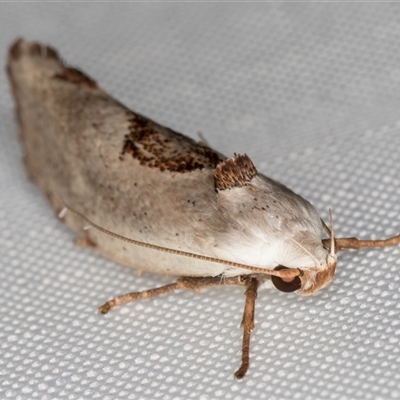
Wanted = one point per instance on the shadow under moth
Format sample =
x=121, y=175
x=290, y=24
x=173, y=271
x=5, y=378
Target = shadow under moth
x=159, y=201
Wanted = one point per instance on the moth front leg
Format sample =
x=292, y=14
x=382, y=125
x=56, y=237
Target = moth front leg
x=357, y=244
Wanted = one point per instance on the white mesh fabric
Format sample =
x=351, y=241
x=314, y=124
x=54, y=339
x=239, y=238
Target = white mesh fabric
x=311, y=92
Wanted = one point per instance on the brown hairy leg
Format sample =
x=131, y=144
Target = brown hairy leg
x=251, y=284
x=247, y=325
x=181, y=283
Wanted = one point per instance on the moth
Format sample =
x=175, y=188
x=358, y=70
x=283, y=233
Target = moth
x=159, y=201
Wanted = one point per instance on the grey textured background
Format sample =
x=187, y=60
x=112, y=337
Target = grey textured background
x=312, y=93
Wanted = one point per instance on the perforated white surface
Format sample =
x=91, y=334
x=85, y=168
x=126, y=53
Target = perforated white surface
x=312, y=93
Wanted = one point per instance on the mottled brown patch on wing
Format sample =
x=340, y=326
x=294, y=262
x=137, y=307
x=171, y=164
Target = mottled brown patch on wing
x=234, y=172
x=158, y=147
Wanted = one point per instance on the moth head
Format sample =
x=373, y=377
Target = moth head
x=310, y=280
x=305, y=281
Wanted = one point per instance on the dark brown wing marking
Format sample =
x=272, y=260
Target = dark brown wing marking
x=152, y=144
x=234, y=172
x=73, y=75
x=158, y=147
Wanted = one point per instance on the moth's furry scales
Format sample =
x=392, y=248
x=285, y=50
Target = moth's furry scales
x=234, y=172
x=73, y=135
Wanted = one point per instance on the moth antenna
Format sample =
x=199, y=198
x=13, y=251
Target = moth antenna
x=303, y=248
x=332, y=234
x=332, y=258
x=287, y=273
x=327, y=230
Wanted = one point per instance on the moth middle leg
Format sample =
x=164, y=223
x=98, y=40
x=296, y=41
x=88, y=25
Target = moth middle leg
x=247, y=325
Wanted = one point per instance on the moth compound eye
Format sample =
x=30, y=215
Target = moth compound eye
x=284, y=285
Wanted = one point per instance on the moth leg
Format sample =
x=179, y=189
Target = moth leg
x=247, y=325
x=188, y=283
x=84, y=241
x=357, y=244
x=146, y=294
x=198, y=283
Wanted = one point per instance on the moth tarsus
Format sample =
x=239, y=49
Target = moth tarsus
x=160, y=201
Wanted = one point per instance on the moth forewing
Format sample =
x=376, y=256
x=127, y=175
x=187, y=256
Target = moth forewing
x=158, y=200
